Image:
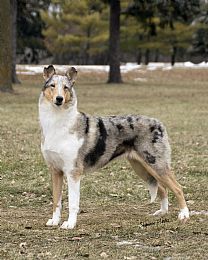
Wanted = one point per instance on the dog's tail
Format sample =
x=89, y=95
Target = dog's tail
x=153, y=187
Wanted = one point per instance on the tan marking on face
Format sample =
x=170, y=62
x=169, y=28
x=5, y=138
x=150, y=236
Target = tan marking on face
x=58, y=87
x=67, y=96
x=48, y=93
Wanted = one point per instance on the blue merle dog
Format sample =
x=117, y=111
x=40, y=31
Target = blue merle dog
x=74, y=143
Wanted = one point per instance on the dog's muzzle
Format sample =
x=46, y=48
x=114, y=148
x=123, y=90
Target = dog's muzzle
x=59, y=100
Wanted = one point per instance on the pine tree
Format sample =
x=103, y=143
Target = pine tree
x=76, y=30
x=162, y=26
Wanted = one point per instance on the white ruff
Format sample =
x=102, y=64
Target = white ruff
x=61, y=145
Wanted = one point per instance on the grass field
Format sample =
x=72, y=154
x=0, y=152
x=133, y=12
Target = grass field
x=115, y=220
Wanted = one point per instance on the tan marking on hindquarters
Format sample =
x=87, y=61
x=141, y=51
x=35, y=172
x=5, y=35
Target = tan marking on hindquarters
x=162, y=192
x=171, y=183
x=140, y=170
x=167, y=180
x=145, y=176
x=57, y=180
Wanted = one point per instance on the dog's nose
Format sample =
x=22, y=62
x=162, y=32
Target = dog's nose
x=59, y=99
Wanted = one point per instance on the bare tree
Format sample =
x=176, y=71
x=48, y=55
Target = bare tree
x=5, y=46
x=114, y=43
x=14, y=39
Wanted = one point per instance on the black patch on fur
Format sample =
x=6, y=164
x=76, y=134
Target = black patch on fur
x=119, y=126
x=129, y=143
x=157, y=133
x=152, y=128
x=149, y=157
x=130, y=120
x=118, y=151
x=87, y=126
x=123, y=147
x=99, y=149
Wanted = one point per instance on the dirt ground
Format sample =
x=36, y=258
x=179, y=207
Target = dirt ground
x=115, y=220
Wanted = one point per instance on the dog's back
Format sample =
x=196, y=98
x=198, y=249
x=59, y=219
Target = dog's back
x=106, y=138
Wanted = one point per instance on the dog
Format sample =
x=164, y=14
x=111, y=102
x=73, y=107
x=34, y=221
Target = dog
x=74, y=142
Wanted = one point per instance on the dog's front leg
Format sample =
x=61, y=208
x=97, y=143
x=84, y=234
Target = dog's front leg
x=57, y=180
x=73, y=181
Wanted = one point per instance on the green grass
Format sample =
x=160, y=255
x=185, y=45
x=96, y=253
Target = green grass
x=114, y=202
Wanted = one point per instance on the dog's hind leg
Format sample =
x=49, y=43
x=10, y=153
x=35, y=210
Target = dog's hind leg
x=167, y=179
x=154, y=187
x=57, y=180
x=162, y=192
x=145, y=176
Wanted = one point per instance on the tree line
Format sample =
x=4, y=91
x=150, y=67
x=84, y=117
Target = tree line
x=101, y=31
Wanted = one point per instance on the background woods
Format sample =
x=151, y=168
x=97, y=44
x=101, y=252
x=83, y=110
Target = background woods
x=103, y=32
x=78, y=31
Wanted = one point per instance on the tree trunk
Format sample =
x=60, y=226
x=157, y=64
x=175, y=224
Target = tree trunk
x=14, y=40
x=173, y=56
x=114, y=43
x=5, y=46
x=147, y=52
x=156, y=55
x=139, y=56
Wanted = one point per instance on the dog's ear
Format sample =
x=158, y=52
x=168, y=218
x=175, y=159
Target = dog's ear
x=71, y=74
x=48, y=72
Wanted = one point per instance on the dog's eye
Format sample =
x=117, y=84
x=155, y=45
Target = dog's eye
x=52, y=86
x=66, y=88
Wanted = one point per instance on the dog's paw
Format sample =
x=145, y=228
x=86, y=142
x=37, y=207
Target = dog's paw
x=71, y=222
x=53, y=222
x=68, y=225
x=183, y=214
x=160, y=212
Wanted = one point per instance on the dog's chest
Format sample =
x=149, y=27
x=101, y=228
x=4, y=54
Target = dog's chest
x=60, y=146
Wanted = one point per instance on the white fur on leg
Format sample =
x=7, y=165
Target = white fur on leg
x=56, y=218
x=71, y=222
x=183, y=214
x=153, y=191
x=73, y=197
x=164, y=207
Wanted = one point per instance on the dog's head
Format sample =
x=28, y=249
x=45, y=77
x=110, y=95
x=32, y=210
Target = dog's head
x=58, y=88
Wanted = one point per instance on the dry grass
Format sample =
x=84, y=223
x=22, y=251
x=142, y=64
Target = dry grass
x=114, y=222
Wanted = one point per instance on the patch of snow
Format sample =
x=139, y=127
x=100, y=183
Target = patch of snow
x=140, y=79
x=202, y=212
x=27, y=72
x=168, y=67
x=135, y=243
x=129, y=67
x=124, y=242
x=38, y=69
